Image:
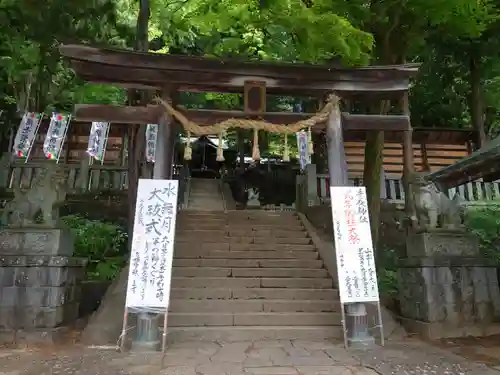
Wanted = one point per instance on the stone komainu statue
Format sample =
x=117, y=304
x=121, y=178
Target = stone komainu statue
x=46, y=193
x=433, y=208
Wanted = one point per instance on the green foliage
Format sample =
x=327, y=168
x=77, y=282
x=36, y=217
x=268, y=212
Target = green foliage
x=290, y=30
x=103, y=243
x=484, y=222
x=387, y=272
x=438, y=33
x=32, y=73
x=388, y=282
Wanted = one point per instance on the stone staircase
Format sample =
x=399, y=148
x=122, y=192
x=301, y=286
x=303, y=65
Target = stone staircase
x=205, y=195
x=249, y=275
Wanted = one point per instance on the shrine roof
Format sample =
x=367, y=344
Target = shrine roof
x=483, y=163
x=132, y=69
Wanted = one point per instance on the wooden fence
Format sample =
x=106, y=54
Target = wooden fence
x=472, y=192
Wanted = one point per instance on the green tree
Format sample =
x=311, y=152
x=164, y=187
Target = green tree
x=400, y=28
x=30, y=34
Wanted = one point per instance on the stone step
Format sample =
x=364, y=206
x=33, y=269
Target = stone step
x=248, y=272
x=248, y=263
x=208, y=217
x=183, y=237
x=253, y=333
x=251, y=282
x=251, y=213
x=253, y=319
x=203, y=234
x=204, y=204
x=183, y=226
x=247, y=306
x=181, y=247
x=254, y=293
x=241, y=222
x=203, y=254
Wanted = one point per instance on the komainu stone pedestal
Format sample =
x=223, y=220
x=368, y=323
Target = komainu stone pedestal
x=39, y=283
x=446, y=289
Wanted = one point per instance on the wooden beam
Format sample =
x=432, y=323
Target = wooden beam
x=121, y=58
x=375, y=122
x=153, y=70
x=117, y=114
x=140, y=77
x=204, y=117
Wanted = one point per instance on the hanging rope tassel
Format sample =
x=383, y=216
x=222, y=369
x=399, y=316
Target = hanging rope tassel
x=286, y=153
x=255, y=150
x=220, y=152
x=188, y=152
x=310, y=145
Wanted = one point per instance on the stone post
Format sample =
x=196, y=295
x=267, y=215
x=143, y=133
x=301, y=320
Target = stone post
x=312, y=184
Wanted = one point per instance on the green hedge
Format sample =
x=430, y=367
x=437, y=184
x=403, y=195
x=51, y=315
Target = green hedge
x=103, y=243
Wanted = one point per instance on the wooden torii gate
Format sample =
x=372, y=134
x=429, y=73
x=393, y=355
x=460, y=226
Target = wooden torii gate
x=168, y=74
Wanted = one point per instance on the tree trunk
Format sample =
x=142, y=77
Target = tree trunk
x=104, y=326
x=475, y=100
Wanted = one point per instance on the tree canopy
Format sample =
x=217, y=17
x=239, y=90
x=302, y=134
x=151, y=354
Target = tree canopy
x=445, y=35
x=455, y=40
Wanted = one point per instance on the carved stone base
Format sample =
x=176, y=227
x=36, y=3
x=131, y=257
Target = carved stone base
x=451, y=292
x=39, y=292
x=36, y=241
x=253, y=203
x=442, y=243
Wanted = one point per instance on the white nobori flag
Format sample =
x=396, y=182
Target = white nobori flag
x=302, y=145
x=98, y=138
x=26, y=133
x=56, y=134
x=151, y=137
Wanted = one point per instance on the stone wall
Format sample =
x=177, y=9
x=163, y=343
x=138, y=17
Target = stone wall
x=39, y=291
x=446, y=289
x=449, y=291
x=40, y=282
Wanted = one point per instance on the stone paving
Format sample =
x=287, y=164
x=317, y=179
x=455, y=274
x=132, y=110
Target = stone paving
x=282, y=357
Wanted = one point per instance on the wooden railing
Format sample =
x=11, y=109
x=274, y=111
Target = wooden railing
x=473, y=192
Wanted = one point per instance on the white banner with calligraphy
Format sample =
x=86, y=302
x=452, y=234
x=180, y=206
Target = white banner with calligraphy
x=98, y=138
x=353, y=245
x=26, y=133
x=56, y=134
x=152, y=245
x=303, y=146
x=151, y=137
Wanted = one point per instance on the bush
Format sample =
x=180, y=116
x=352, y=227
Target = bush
x=484, y=222
x=387, y=272
x=104, y=244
